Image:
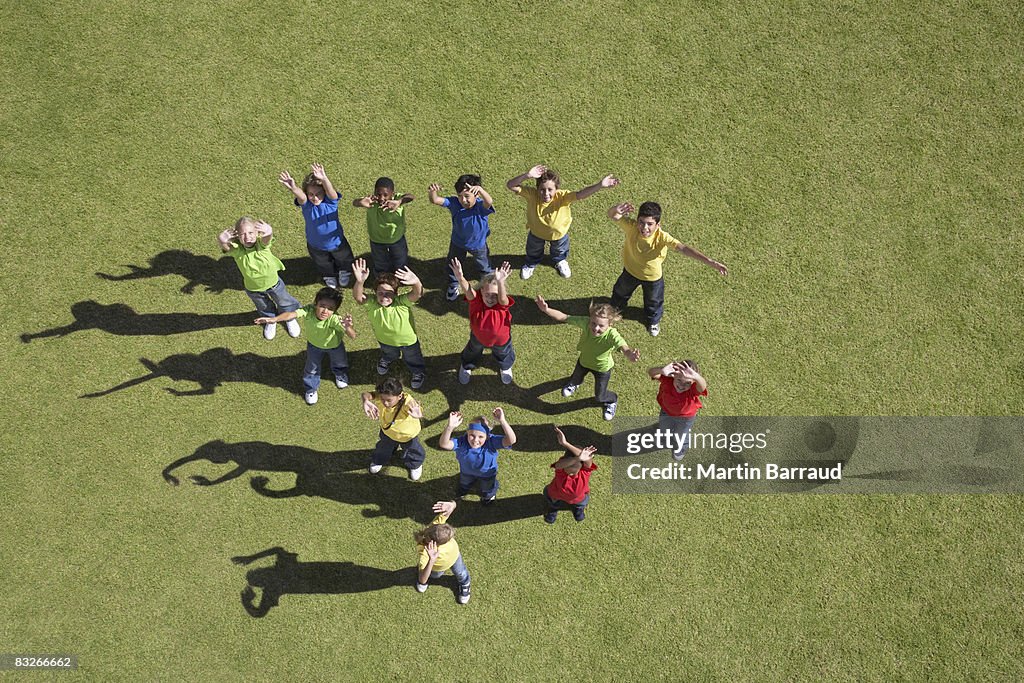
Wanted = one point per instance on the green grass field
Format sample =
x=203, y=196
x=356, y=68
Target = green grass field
x=857, y=167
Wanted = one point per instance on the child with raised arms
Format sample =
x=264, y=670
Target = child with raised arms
x=399, y=416
x=391, y=318
x=598, y=341
x=439, y=552
x=643, y=251
x=570, y=489
x=490, y=322
x=325, y=238
x=325, y=333
x=680, y=388
x=469, y=208
x=248, y=243
x=477, y=452
x=548, y=215
x=385, y=224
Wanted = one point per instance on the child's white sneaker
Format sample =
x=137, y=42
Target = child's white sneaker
x=340, y=382
x=311, y=397
x=292, y=326
x=527, y=272
x=453, y=293
x=563, y=268
x=330, y=282
x=609, y=410
x=416, y=473
x=422, y=587
x=506, y=376
x=269, y=331
x=374, y=469
x=462, y=597
x=569, y=389
x=464, y=374
x=654, y=329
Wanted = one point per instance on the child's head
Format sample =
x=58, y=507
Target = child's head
x=478, y=431
x=438, y=533
x=573, y=467
x=313, y=189
x=386, y=288
x=462, y=185
x=389, y=391
x=384, y=189
x=547, y=183
x=679, y=382
x=648, y=218
x=488, y=289
x=326, y=303
x=245, y=228
x=602, y=317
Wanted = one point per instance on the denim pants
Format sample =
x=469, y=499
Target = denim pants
x=413, y=454
x=535, y=249
x=458, y=569
x=412, y=354
x=654, y=295
x=333, y=264
x=388, y=258
x=504, y=354
x=677, y=425
x=554, y=505
x=275, y=300
x=338, y=357
x=601, y=392
x=481, y=256
x=488, y=485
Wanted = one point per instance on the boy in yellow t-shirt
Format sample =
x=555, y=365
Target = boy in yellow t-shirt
x=643, y=251
x=399, y=415
x=439, y=552
x=548, y=215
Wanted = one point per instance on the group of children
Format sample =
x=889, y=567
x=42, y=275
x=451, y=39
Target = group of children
x=548, y=219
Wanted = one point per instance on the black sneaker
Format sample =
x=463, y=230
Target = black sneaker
x=417, y=380
x=550, y=517
x=462, y=594
x=382, y=367
x=578, y=515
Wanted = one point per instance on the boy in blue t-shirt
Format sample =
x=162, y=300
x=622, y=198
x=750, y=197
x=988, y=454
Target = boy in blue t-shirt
x=477, y=452
x=470, y=208
x=325, y=238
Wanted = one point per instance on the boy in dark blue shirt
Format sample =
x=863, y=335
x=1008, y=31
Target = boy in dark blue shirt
x=477, y=452
x=470, y=208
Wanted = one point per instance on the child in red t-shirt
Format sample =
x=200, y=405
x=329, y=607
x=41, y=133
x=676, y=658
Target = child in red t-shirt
x=490, y=322
x=679, y=398
x=571, y=486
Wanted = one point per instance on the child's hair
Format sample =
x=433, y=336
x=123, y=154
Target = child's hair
x=438, y=533
x=650, y=210
x=488, y=279
x=482, y=420
x=550, y=175
x=384, y=183
x=330, y=295
x=388, y=279
x=692, y=364
x=465, y=180
x=392, y=386
x=244, y=221
x=605, y=311
x=311, y=180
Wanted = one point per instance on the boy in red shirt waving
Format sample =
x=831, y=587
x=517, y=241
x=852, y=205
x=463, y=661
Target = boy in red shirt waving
x=571, y=486
x=490, y=322
x=679, y=398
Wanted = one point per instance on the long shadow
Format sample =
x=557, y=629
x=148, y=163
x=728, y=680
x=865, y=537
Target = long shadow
x=287, y=576
x=121, y=319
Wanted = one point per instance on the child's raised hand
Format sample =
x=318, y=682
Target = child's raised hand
x=347, y=320
x=360, y=270
x=435, y=188
x=415, y=410
x=632, y=354
x=588, y=453
x=457, y=268
x=391, y=205
x=286, y=179
x=685, y=371
x=541, y=304
x=624, y=209
x=318, y=171
x=444, y=507
x=537, y=171
x=263, y=228
x=370, y=410
x=499, y=414
x=474, y=190
x=406, y=276
x=454, y=419
x=431, y=549
x=503, y=271
x=561, y=437
x=609, y=181
x=720, y=267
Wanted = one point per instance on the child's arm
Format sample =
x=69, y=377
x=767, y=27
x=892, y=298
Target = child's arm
x=279, y=318
x=445, y=443
x=363, y=202
x=689, y=373
x=434, y=193
x=564, y=443
x=350, y=330
x=661, y=371
x=697, y=256
x=369, y=409
x=510, y=435
x=286, y=179
x=431, y=548
x=321, y=175
x=224, y=239
x=393, y=204
x=479, y=191
x=265, y=232
x=555, y=315
x=361, y=273
x=619, y=211
x=501, y=279
x=632, y=354
x=515, y=184
x=415, y=409
x=456, y=265
x=407, y=277
x=606, y=182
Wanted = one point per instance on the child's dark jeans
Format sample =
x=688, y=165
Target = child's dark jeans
x=413, y=454
x=535, y=249
x=601, y=392
x=275, y=300
x=504, y=354
x=388, y=258
x=480, y=256
x=412, y=354
x=654, y=295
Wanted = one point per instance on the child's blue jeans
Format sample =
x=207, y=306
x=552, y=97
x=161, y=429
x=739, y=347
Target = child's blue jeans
x=504, y=354
x=338, y=357
x=413, y=454
x=488, y=485
x=654, y=295
x=554, y=505
x=388, y=258
x=458, y=569
x=412, y=354
x=275, y=300
x=480, y=256
x=535, y=249
x=678, y=426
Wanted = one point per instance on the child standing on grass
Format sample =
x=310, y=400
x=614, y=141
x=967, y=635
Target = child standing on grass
x=399, y=415
x=391, y=318
x=325, y=238
x=598, y=340
x=385, y=223
x=548, y=215
x=469, y=208
x=681, y=387
x=324, y=334
x=439, y=552
x=570, y=489
x=490, y=322
x=644, y=250
x=477, y=452
x=249, y=244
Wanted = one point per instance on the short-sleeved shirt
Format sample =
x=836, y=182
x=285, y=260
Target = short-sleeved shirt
x=323, y=229
x=548, y=221
x=392, y=325
x=258, y=265
x=596, y=352
x=323, y=334
x=676, y=404
x=571, y=488
x=491, y=326
x=447, y=553
x=404, y=427
x=642, y=256
x=479, y=462
x=469, y=226
x=386, y=227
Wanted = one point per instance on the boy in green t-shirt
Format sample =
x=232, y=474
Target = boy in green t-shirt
x=385, y=223
x=598, y=340
x=249, y=244
x=324, y=334
x=391, y=318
